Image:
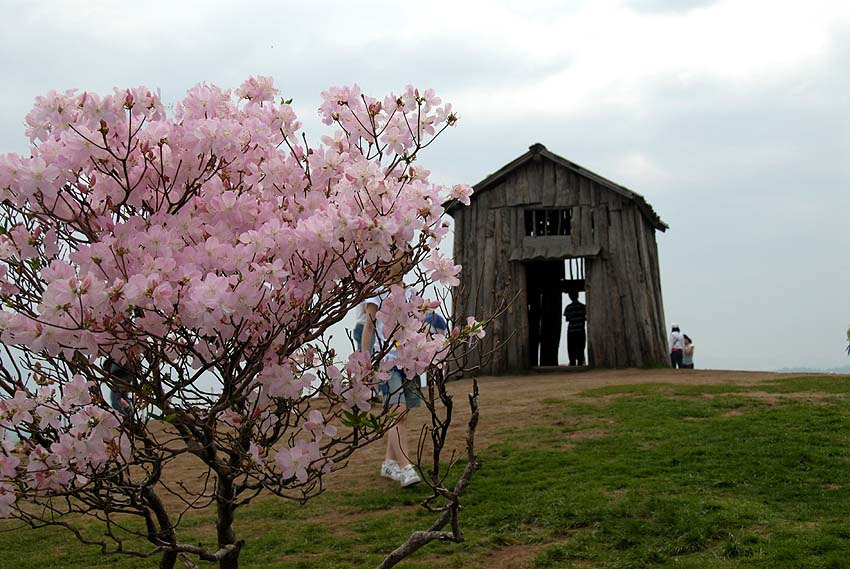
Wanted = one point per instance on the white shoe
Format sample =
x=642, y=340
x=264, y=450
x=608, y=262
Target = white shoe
x=408, y=476
x=390, y=469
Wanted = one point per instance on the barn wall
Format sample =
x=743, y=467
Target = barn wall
x=625, y=310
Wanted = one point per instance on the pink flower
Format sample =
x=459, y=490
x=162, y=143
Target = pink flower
x=7, y=247
x=255, y=453
x=357, y=395
x=230, y=418
x=7, y=500
x=210, y=292
x=474, y=328
x=461, y=192
x=50, y=243
x=401, y=309
x=395, y=139
x=442, y=269
x=77, y=392
x=16, y=410
x=25, y=242
x=162, y=296
x=296, y=460
x=316, y=425
x=8, y=465
x=257, y=89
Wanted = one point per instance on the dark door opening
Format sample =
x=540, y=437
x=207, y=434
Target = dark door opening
x=543, y=284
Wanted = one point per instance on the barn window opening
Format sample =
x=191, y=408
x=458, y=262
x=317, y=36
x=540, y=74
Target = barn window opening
x=548, y=222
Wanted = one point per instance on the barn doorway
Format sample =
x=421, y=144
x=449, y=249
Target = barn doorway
x=573, y=283
x=543, y=285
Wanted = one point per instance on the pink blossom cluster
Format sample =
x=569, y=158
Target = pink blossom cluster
x=89, y=442
x=403, y=314
x=214, y=237
x=212, y=221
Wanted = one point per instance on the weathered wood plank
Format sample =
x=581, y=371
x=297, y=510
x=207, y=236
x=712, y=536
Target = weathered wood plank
x=584, y=191
x=600, y=226
x=497, y=196
x=654, y=271
x=548, y=184
x=520, y=179
x=636, y=308
x=656, y=351
x=521, y=313
x=566, y=194
x=488, y=279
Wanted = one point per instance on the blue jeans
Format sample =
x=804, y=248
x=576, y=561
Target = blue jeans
x=357, y=334
x=115, y=399
x=398, y=389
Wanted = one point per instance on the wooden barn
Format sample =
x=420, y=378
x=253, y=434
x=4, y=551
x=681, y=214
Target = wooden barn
x=543, y=226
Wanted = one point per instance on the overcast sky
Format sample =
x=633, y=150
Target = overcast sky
x=731, y=118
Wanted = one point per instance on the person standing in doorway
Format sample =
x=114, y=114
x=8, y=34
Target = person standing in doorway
x=576, y=315
x=688, y=353
x=677, y=347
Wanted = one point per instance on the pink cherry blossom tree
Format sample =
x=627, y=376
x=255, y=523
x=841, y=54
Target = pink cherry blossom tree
x=193, y=263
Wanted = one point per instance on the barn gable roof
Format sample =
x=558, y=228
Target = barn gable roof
x=538, y=150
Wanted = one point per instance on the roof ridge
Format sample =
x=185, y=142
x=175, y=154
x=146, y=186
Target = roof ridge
x=538, y=149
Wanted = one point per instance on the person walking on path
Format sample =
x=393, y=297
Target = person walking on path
x=576, y=315
x=400, y=393
x=688, y=353
x=677, y=347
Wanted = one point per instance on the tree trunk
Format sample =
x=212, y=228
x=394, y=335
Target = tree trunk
x=166, y=529
x=168, y=561
x=224, y=526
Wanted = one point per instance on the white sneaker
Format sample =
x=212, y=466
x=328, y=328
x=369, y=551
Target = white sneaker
x=390, y=469
x=408, y=476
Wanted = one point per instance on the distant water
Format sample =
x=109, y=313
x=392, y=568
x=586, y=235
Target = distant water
x=834, y=370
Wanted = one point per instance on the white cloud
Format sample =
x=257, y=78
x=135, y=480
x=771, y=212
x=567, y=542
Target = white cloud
x=610, y=52
x=637, y=170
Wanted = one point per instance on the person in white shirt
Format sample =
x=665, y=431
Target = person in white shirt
x=400, y=393
x=677, y=346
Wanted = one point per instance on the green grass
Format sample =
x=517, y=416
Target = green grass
x=652, y=475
